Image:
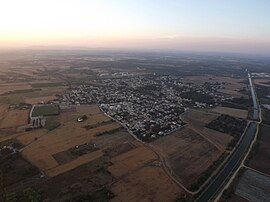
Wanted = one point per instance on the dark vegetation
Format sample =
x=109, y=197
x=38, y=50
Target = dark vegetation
x=52, y=123
x=45, y=110
x=75, y=152
x=15, y=168
x=238, y=103
x=263, y=94
x=26, y=195
x=87, y=182
x=265, y=115
x=230, y=125
x=199, y=97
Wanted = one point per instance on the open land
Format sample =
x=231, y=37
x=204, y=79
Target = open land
x=253, y=186
x=262, y=151
x=139, y=122
x=239, y=113
x=188, y=154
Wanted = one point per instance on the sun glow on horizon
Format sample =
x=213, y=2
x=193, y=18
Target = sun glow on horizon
x=142, y=23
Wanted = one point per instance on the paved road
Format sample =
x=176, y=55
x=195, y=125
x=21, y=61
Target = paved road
x=234, y=160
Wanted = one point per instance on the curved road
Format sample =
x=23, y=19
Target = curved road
x=234, y=160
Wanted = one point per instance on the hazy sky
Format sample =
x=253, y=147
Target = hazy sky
x=200, y=25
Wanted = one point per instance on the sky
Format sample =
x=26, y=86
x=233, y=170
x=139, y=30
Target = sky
x=192, y=25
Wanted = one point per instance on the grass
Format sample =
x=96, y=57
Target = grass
x=52, y=123
x=45, y=110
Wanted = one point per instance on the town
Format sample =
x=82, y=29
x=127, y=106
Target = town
x=149, y=105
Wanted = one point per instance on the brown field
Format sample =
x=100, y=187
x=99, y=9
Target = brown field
x=26, y=138
x=94, y=115
x=187, y=153
x=131, y=160
x=198, y=119
x=261, y=160
x=146, y=184
x=3, y=111
x=263, y=82
x=14, y=118
x=7, y=134
x=88, y=109
x=75, y=163
x=4, y=88
x=34, y=95
x=37, y=100
x=61, y=139
x=220, y=139
x=239, y=113
x=232, y=85
x=68, y=135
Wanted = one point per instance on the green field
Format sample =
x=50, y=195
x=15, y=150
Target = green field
x=45, y=110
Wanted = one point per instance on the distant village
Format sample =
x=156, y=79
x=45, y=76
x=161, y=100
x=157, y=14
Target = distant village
x=149, y=106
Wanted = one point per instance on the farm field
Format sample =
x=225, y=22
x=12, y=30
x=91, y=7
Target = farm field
x=128, y=163
x=28, y=137
x=38, y=100
x=263, y=82
x=14, y=118
x=262, y=152
x=45, y=110
x=5, y=88
x=149, y=183
x=253, y=186
x=197, y=120
x=27, y=95
x=239, y=113
x=232, y=86
x=187, y=154
x=61, y=139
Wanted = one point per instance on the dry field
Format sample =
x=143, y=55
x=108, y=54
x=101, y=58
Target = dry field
x=37, y=100
x=131, y=161
x=198, y=119
x=263, y=82
x=3, y=110
x=147, y=184
x=138, y=175
x=14, y=118
x=187, y=154
x=31, y=95
x=4, y=88
x=135, y=168
x=68, y=135
x=261, y=160
x=28, y=137
x=232, y=85
x=61, y=139
x=239, y=113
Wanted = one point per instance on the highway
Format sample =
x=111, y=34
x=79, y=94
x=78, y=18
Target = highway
x=235, y=158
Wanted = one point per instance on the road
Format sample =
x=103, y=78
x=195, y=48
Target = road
x=234, y=160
